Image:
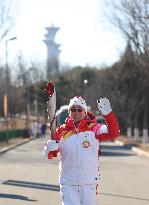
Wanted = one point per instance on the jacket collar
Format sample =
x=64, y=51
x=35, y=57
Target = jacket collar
x=88, y=119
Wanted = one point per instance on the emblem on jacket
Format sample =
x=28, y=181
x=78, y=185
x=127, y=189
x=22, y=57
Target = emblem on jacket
x=86, y=144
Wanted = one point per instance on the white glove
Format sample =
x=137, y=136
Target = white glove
x=104, y=106
x=51, y=145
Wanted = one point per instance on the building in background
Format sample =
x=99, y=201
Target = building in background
x=52, y=51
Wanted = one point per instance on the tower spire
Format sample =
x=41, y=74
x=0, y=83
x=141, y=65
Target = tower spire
x=52, y=50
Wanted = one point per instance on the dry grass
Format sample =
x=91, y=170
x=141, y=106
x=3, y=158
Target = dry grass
x=14, y=124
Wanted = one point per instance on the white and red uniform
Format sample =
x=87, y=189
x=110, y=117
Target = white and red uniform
x=79, y=156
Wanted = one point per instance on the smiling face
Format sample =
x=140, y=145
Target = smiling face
x=77, y=113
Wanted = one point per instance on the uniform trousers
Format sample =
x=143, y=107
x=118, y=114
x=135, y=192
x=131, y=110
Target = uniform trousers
x=78, y=194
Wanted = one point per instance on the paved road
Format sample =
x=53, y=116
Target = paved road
x=124, y=177
x=27, y=178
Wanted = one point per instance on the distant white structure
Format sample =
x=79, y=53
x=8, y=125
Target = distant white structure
x=52, y=51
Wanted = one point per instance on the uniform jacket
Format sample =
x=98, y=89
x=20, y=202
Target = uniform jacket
x=79, y=148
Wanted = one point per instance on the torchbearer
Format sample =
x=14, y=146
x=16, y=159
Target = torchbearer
x=79, y=139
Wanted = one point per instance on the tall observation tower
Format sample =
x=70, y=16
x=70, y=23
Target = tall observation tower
x=52, y=51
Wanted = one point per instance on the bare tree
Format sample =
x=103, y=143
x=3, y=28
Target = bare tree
x=8, y=10
x=131, y=17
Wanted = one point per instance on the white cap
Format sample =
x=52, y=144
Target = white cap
x=77, y=100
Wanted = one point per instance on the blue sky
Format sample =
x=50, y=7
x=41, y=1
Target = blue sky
x=84, y=37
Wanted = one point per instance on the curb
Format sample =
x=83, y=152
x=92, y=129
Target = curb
x=135, y=149
x=140, y=152
x=119, y=143
x=10, y=147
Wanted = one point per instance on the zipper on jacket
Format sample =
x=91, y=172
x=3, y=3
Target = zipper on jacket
x=77, y=154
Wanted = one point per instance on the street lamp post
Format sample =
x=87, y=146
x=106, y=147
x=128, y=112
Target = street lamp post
x=7, y=69
x=6, y=88
x=85, y=88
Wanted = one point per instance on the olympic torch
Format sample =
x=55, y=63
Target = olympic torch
x=51, y=107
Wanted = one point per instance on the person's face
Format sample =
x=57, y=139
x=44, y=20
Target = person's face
x=77, y=113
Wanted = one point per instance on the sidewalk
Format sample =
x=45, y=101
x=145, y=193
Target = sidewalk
x=13, y=143
x=137, y=146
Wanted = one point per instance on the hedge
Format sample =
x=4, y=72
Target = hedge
x=15, y=133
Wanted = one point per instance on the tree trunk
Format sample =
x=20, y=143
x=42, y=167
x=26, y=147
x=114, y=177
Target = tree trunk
x=145, y=118
x=136, y=128
x=145, y=136
x=136, y=134
x=129, y=131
